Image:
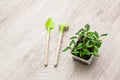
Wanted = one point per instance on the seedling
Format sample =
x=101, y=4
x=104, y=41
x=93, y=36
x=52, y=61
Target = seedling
x=85, y=43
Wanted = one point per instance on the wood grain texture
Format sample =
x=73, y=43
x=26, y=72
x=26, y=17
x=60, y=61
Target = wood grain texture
x=23, y=36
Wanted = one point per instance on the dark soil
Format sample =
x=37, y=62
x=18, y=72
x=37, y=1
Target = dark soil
x=86, y=57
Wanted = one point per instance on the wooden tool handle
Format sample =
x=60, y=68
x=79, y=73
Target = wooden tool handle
x=58, y=50
x=46, y=49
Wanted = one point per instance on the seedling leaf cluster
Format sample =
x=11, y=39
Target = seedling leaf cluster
x=85, y=42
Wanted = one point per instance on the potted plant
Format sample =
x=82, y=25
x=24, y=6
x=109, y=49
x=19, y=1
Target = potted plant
x=85, y=44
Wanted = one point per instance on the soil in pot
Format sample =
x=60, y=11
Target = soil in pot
x=86, y=57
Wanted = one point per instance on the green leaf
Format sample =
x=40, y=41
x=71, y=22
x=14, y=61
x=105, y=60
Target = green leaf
x=95, y=53
x=75, y=51
x=81, y=30
x=96, y=34
x=81, y=54
x=87, y=44
x=79, y=46
x=95, y=48
x=93, y=41
x=85, y=51
x=87, y=27
x=99, y=43
x=67, y=48
x=91, y=35
x=74, y=37
x=103, y=34
x=72, y=43
x=90, y=46
x=84, y=38
x=82, y=34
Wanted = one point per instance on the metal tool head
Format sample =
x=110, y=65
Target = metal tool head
x=63, y=27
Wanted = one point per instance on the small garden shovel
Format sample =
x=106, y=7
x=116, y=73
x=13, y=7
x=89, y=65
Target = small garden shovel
x=63, y=27
x=49, y=25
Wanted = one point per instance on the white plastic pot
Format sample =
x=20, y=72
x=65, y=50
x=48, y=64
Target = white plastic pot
x=76, y=58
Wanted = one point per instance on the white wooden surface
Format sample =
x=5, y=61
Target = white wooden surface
x=23, y=35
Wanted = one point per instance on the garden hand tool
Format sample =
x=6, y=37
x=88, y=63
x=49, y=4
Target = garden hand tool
x=49, y=25
x=62, y=27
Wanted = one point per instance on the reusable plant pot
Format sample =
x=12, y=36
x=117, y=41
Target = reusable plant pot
x=79, y=59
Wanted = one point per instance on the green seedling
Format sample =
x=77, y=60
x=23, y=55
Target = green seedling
x=85, y=42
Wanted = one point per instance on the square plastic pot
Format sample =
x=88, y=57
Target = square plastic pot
x=76, y=58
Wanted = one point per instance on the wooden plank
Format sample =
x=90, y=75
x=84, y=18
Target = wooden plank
x=23, y=35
